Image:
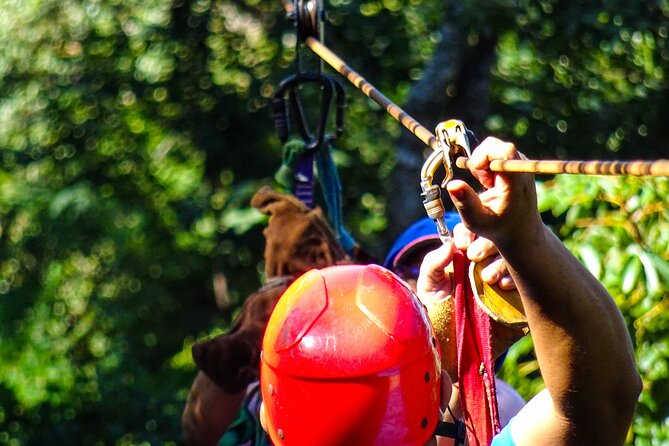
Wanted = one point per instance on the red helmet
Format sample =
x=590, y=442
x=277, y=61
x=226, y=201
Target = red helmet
x=350, y=358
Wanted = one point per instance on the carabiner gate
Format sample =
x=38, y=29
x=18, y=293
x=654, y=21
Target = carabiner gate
x=453, y=142
x=452, y=136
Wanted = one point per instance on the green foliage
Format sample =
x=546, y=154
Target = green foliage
x=619, y=229
x=134, y=133
x=110, y=217
x=585, y=79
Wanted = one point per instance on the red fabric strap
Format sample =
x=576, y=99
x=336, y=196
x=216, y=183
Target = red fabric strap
x=476, y=374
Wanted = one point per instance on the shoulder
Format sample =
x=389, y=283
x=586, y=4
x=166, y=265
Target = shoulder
x=504, y=438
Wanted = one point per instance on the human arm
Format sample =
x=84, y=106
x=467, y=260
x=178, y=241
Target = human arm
x=581, y=341
x=209, y=411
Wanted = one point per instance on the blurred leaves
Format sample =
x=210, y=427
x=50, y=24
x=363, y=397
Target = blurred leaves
x=619, y=228
x=134, y=134
x=581, y=80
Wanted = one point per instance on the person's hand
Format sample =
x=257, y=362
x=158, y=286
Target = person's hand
x=479, y=248
x=434, y=281
x=506, y=211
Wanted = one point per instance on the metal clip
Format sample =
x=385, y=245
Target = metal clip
x=453, y=142
x=501, y=305
x=452, y=136
x=432, y=194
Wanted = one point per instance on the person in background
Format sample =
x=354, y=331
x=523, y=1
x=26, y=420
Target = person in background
x=404, y=259
x=583, y=347
x=407, y=251
x=223, y=402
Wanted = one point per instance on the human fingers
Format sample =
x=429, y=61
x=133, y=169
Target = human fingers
x=435, y=261
x=480, y=249
x=505, y=191
x=497, y=273
x=506, y=283
x=507, y=209
x=434, y=282
x=474, y=215
x=462, y=237
x=490, y=149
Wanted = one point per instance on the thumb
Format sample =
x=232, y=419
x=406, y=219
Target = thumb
x=434, y=283
x=467, y=203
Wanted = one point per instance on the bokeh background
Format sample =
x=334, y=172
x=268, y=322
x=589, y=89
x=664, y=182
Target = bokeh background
x=134, y=132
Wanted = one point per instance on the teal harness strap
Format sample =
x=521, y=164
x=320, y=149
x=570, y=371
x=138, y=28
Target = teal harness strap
x=246, y=430
x=331, y=188
x=296, y=174
x=292, y=150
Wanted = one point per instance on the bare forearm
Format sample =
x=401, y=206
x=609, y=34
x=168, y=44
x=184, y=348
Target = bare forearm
x=581, y=341
x=582, y=344
x=208, y=412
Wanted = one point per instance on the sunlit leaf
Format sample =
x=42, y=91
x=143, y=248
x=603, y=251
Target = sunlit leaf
x=662, y=267
x=591, y=259
x=652, y=277
x=630, y=274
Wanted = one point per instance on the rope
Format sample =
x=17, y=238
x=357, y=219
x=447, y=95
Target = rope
x=370, y=91
x=639, y=168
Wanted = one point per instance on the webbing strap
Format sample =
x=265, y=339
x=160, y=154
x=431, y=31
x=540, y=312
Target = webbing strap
x=303, y=183
x=297, y=171
x=476, y=375
x=297, y=174
x=331, y=186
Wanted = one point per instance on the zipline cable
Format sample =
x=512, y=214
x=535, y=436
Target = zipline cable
x=307, y=18
x=595, y=167
x=370, y=91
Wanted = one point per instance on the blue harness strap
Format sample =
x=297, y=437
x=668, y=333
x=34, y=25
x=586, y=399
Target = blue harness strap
x=297, y=171
x=297, y=174
x=303, y=184
x=331, y=188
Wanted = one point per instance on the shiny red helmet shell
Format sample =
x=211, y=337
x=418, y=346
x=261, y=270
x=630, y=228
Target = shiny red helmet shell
x=350, y=358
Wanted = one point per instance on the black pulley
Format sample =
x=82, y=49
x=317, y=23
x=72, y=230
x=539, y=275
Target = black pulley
x=308, y=15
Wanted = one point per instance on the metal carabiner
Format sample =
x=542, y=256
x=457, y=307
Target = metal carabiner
x=452, y=137
x=283, y=111
x=434, y=207
x=453, y=140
